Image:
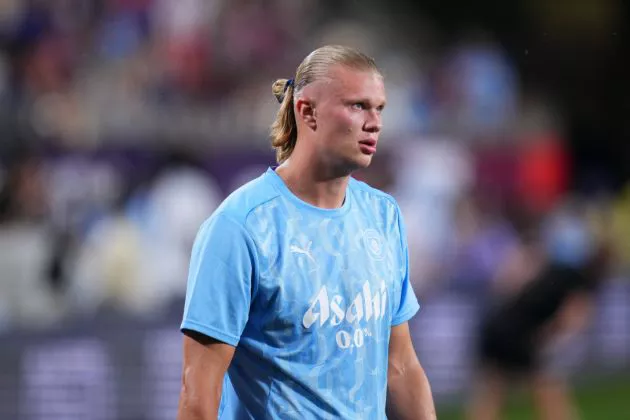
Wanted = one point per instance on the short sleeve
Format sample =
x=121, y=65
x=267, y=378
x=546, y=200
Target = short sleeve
x=408, y=302
x=220, y=280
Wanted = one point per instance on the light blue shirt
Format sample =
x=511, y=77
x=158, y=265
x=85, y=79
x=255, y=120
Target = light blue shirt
x=306, y=295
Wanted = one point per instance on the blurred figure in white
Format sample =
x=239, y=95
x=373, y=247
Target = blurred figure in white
x=432, y=174
x=137, y=258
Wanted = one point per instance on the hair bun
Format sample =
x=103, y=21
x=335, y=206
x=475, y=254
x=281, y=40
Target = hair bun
x=278, y=89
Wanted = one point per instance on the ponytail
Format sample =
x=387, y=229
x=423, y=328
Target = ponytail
x=284, y=128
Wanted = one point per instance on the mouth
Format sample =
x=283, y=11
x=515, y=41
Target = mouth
x=368, y=146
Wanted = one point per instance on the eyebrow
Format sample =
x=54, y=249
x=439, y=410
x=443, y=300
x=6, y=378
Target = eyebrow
x=364, y=100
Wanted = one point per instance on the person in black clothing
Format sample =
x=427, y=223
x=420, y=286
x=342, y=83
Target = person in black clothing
x=556, y=299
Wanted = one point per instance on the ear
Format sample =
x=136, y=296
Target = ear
x=305, y=111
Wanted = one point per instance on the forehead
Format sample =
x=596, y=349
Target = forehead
x=345, y=82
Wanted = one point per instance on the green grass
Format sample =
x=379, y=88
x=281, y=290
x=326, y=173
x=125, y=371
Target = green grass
x=604, y=401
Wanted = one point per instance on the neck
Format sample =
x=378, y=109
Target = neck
x=314, y=182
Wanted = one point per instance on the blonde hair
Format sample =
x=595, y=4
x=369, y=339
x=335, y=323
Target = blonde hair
x=314, y=67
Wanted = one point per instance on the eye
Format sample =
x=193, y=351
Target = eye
x=380, y=109
x=359, y=106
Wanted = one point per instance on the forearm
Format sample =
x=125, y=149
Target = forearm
x=197, y=411
x=202, y=383
x=206, y=361
x=409, y=395
x=196, y=408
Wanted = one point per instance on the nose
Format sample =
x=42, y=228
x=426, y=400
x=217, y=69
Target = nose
x=373, y=123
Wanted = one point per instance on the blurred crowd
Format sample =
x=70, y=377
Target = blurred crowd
x=126, y=122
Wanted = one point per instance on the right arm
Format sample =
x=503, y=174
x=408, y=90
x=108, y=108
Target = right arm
x=218, y=297
x=205, y=362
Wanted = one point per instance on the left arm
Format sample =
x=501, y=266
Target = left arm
x=408, y=390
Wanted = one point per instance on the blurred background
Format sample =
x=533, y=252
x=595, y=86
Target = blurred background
x=124, y=123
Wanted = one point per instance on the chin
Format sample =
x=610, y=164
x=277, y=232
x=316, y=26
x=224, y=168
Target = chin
x=350, y=164
x=360, y=162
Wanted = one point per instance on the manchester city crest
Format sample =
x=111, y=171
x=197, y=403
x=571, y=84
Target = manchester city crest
x=373, y=242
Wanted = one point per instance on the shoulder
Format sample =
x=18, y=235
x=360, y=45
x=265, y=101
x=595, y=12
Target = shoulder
x=246, y=199
x=366, y=193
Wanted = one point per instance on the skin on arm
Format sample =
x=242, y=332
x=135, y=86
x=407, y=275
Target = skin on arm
x=205, y=362
x=408, y=390
x=575, y=314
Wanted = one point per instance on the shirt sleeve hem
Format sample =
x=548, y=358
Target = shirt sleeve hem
x=406, y=316
x=210, y=332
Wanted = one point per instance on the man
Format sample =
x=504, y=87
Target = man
x=298, y=284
